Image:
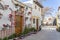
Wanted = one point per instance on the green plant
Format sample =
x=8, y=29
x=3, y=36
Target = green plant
x=58, y=29
x=12, y=36
x=6, y=38
x=26, y=30
x=35, y=30
x=0, y=38
x=32, y=29
x=19, y=34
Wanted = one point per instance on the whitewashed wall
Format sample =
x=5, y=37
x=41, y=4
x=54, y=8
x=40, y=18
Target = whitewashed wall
x=36, y=12
x=5, y=13
x=28, y=21
x=5, y=18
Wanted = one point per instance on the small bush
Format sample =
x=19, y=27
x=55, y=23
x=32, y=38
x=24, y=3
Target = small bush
x=6, y=38
x=26, y=30
x=32, y=29
x=39, y=28
x=17, y=35
x=12, y=36
x=58, y=29
x=0, y=38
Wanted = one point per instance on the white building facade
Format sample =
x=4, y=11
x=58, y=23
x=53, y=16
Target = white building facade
x=28, y=15
x=58, y=17
x=36, y=12
x=7, y=13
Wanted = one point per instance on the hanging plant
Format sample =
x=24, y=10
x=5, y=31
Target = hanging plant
x=10, y=15
x=29, y=13
x=4, y=25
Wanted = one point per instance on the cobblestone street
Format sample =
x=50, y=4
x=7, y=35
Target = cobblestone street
x=45, y=34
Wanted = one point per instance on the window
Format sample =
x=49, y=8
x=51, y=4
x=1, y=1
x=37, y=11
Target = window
x=26, y=18
x=39, y=9
x=6, y=7
x=1, y=15
x=31, y=9
x=1, y=6
x=34, y=20
x=29, y=13
x=26, y=8
x=35, y=6
x=58, y=16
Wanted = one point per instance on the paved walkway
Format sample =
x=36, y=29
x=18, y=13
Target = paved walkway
x=45, y=34
x=49, y=27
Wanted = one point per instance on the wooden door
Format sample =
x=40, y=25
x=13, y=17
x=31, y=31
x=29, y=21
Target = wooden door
x=37, y=22
x=19, y=24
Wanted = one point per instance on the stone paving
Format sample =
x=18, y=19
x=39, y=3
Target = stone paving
x=45, y=34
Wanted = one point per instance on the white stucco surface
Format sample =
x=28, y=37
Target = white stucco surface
x=6, y=12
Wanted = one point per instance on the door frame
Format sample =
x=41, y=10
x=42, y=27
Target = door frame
x=37, y=24
x=22, y=22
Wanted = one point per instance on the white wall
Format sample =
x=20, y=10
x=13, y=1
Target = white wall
x=5, y=13
x=5, y=18
x=28, y=21
x=36, y=12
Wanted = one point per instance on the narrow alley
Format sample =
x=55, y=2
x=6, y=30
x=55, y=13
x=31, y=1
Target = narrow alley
x=45, y=34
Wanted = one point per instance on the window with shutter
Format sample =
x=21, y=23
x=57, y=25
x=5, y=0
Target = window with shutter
x=1, y=6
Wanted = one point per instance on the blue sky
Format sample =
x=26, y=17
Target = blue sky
x=53, y=4
x=50, y=3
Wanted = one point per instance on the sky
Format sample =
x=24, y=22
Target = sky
x=54, y=4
